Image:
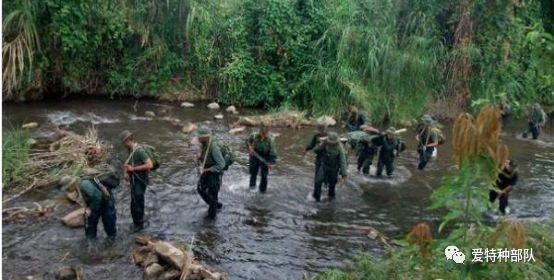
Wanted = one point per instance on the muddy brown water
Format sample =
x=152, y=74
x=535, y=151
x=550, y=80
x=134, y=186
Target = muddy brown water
x=282, y=234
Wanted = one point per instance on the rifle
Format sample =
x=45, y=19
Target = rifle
x=201, y=168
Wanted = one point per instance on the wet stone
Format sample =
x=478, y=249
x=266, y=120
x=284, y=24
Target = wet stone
x=154, y=270
x=213, y=106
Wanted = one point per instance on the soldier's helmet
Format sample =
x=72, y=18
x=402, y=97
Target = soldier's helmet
x=124, y=135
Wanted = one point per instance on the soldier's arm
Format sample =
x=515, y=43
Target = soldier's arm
x=250, y=143
x=272, y=151
x=434, y=138
x=218, y=158
x=343, y=165
x=312, y=144
x=146, y=161
x=361, y=119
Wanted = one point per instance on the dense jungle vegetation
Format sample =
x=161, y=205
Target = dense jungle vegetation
x=317, y=56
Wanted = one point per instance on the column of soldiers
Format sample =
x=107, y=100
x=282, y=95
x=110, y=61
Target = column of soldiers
x=330, y=165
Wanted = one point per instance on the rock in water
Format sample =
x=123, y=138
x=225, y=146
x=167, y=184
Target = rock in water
x=143, y=240
x=149, y=114
x=237, y=130
x=69, y=273
x=75, y=219
x=327, y=121
x=213, y=106
x=231, y=109
x=151, y=258
x=247, y=121
x=31, y=142
x=187, y=105
x=188, y=128
x=73, y=196
x=171, y=275
x=30, y=125
x=218, y=117
x=154, y=270
x=140, y=254
x=170, y=254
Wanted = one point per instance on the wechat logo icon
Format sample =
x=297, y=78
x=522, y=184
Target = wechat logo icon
x=453, y=253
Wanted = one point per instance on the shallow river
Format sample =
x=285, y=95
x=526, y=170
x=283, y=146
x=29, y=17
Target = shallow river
x=282, y=234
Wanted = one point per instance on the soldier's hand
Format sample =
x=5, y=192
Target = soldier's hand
x=250, y=150
x=87, y=212
x=128, y=168
x=270, y=167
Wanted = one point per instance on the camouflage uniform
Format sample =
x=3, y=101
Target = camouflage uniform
x=426, y=134
x=314, y=141
x=387, y=153
x=209, y=183
x=139, y=182
x=333, y=163
x=101, y=205
x=537, y=118
x=265, y=148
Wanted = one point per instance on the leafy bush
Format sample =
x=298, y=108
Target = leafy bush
x=319, y=56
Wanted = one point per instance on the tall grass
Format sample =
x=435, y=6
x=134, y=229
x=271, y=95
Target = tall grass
x=374, y=57
x=15, y=153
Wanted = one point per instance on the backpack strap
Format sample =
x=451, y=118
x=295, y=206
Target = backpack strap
x=101, y=187
x=131, y=154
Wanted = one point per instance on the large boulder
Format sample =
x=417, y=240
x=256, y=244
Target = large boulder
x=154, y=270
x=171, y=274
x=188, y=128
x=140, y=255
x=187, y=105
x=213, y=106
x=69, y=273
x=151, y=258
x=171, y=254
x=75, y=219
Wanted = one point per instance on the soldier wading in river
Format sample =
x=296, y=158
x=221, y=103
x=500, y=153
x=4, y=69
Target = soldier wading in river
x=365, y=149
x=212, y=164
x=333, y=164
x=428, y=139
x=355, y=119
x=536, y=119
x=136, y=169
x=390, y=147
x=100, y=204
x=262, y=156
x=316, y=140
x=504, y=184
